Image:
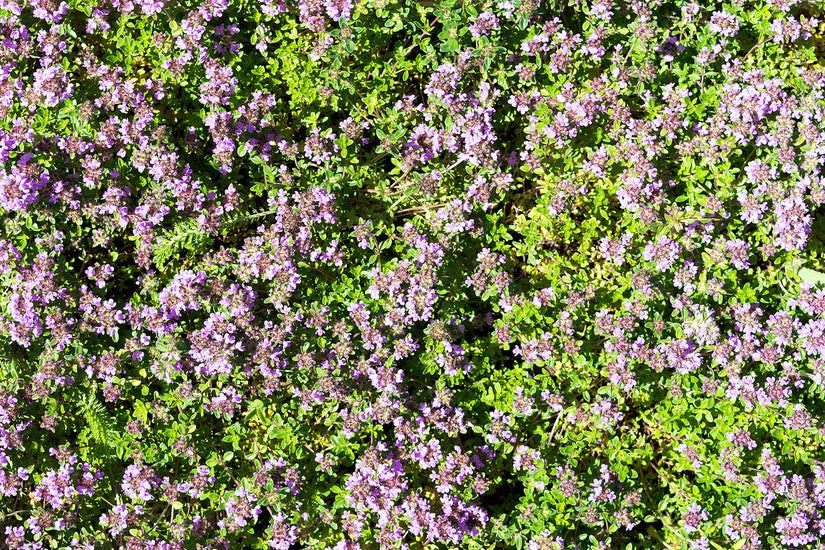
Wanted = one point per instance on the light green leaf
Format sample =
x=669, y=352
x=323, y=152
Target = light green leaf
x=811, y=276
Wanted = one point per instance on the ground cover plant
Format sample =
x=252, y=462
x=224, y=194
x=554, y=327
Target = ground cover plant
x=420, y=275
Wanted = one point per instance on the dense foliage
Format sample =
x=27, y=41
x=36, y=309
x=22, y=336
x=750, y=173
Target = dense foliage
x=394, y=274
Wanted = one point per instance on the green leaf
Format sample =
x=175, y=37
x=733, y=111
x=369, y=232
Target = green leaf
x=101, y=425
x=811, y=276
x=140, y=410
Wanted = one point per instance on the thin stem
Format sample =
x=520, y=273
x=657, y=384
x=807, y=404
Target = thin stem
x=376, y=158
x=756, y=46
x=402, y=177
x=553, y=431
x=420, y=208
x=159, y=518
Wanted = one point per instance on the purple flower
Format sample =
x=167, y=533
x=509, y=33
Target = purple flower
x=758, y=172
x=663, y=253
x=499, y=428
x=320, y=148
x=428, y=454
x=794, y=530
x=483, y=24
x=694, y=517
x=239, y=507
x=525, y=458
x=283, y=535
x=793, y=223
x=800, y=419
x=606, y=412
x=50, y=11
x=138, y=482
x=812, y=337
x=741, y=438
x=669, y=48
x=724, y=23
x=738, y=251
x=116, y=521
x=752, y=208
x=612, y=250
x=601, y=490
x=339, y=9
x=100, y=274
x=151, y=7
x=21, y=188
x=786, y=29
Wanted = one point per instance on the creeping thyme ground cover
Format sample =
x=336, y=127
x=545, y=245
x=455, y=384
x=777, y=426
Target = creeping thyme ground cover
x=478, y=274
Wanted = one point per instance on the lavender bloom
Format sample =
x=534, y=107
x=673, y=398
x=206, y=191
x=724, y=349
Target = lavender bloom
x=525, y=458
x=619, y=374
x=320, y=148
x=793, y=223
x=151, y=7
x=472, y=137
x=339, y=9
x=694, y=517
x=800, y=419
x=51, y=86
x=116, y=521
x=499, y=429
x=724, y=23
x=239, y=508
x=786, y=29
x=444, y=82
x=48, y=11
x=669, y=48
x=741, y=438
x=601, y=490
x=484, y=23
x=100, y=274
x=283, y=535
x=21, y=188
x=613, y=251
x=138, y=482
x=634, y=192
x=184, y=292
x=536, y=349
x=752, y=208
x=738, y=250
x=663, y=253
x=794, y=530
x=758, y=173
x=606, y=412
x=424, y=145
x=812, y=337
x=545, y=540
x=772, y=482
x=690, y=454
x=602, y=9
x=428, y=454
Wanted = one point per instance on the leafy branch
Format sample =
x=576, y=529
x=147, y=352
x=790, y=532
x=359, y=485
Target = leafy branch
x=101, y=425
x=187, y=235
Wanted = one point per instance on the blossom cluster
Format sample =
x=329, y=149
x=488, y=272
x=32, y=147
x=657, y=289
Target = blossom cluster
x=391, y=274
